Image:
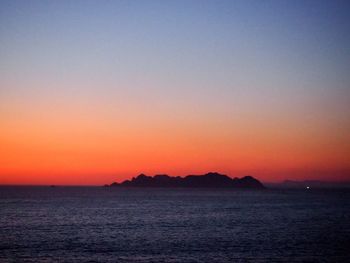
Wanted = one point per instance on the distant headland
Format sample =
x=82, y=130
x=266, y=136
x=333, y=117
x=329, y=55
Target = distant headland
x=209, y=180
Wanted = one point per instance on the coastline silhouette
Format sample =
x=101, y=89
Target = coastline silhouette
x=209, y=180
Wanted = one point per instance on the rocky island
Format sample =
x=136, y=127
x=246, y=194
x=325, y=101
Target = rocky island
x=209, y=180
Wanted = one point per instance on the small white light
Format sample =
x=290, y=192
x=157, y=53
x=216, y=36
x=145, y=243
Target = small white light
x=307, y=187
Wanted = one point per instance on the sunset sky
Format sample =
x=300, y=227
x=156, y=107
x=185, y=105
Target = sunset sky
x=93, y=92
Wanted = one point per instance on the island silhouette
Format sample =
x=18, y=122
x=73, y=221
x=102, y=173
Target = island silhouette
x=209, y=180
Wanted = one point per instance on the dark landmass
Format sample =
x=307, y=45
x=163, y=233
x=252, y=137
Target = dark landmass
x=314, y=184
x=209, y=180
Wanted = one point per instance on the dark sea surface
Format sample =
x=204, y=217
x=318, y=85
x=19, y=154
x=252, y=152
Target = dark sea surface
x=101, y=224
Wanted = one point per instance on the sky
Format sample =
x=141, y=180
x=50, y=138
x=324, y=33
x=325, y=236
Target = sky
x=93, y=92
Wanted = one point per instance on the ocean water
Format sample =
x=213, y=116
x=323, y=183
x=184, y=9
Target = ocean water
x=97, y=224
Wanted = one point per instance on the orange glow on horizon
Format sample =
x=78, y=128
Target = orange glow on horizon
x=75, y=151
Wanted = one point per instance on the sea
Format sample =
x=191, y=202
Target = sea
x=112, y=224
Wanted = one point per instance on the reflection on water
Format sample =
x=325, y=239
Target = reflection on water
x=89, y=224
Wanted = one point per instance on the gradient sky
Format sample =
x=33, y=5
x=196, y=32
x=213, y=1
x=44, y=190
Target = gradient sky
x=97, y=91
